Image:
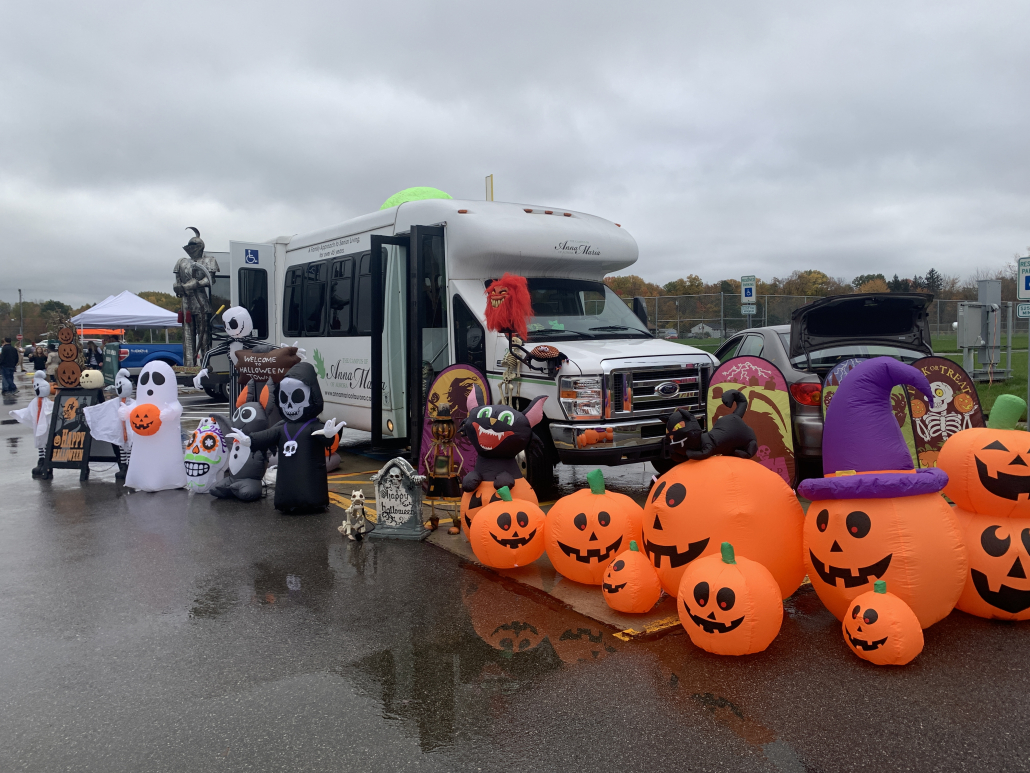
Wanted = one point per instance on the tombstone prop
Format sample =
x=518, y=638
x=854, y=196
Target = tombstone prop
x=69, y=443
x=399, y=501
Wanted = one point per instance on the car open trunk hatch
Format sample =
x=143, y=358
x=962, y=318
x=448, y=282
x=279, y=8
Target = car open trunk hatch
x=863, y=319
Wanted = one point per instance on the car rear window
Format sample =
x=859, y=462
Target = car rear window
x=825, y=359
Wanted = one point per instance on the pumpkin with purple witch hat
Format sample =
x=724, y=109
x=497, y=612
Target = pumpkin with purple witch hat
x=872, y=516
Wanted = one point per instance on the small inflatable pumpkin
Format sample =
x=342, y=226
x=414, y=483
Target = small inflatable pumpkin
x=508, y=533
x=697, y=505
x=588, y=528
x=145, y=419
x=630, y=583
x=988, y=471
x=729, y=605
x=485, y=493
x=999, y=558
x=882, y=629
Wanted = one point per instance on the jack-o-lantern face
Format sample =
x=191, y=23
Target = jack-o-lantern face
x=485, y=493
x=630, y=583
x=68, y=374
x=68, y=352
x=882, y=629
x=729, y=605
x=145, y=419
x=988, y=471
x=999, y=558
x=912, y=542
x=508, y=533
x=697, y=505
x=588, y=528
x=66, y=335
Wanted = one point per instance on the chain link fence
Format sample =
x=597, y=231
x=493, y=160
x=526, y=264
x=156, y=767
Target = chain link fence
x=707, y=320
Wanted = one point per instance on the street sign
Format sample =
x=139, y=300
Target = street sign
x=20, y=336
x=1023, y=283
x=747, y=288
x=750, y=309
x=1023, y=310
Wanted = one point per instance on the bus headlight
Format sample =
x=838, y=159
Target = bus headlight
x=580, y=396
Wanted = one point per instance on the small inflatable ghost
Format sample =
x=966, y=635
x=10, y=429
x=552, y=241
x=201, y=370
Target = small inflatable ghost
x=105, y=421
x=207, y=454
x=156, y=462
x=36, y=415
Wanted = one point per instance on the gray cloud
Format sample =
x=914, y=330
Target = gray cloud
x=741, y=138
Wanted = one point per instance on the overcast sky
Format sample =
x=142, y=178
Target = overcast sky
x=729, y=138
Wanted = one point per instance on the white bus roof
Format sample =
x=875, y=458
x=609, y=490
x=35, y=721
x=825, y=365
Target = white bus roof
x=492, y=237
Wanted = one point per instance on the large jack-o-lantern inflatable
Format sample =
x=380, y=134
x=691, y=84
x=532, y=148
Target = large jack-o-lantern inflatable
x=997, y=586
x=866, y=523
x=697, y=505
x=988, y=471
x=588, y=528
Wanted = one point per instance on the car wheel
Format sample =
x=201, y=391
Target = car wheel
x=217, y=392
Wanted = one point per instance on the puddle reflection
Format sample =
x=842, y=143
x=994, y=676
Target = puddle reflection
x=12, y=443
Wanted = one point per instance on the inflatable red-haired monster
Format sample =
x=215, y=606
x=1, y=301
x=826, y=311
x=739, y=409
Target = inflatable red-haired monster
x=508, y=305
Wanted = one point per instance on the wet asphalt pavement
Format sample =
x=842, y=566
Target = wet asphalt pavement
x=160, y=632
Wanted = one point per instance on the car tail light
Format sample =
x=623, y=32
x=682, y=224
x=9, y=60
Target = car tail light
x=122, y=354
x=807, y=393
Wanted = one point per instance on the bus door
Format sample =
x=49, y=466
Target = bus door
x=251, y=276
x=409, y=332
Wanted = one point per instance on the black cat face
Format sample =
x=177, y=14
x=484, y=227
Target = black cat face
x=250, y=418
x=500, y=431
x=683, y=431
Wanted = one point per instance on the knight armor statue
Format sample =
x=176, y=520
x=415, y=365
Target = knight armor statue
x=193, y=278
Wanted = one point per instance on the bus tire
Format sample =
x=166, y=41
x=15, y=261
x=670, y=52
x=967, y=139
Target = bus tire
x=216, y=392
x=540, y=467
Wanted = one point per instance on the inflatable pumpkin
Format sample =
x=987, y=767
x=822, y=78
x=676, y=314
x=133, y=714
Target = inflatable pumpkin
x=697, y=505
x=145, y=419
x=729, y=605
x=882, y=629
x=866, y=523
x=508, y=533
x=485, y=493
x=587, y=529
x=999, y=559
x=988, y=471
x=630, y=583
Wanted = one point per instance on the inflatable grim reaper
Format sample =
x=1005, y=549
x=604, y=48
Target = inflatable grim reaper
x=193, y=279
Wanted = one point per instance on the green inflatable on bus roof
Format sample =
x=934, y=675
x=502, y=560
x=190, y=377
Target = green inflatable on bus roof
x=414, y=194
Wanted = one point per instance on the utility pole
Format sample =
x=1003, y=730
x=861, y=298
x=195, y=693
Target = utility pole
x=489, y=187
x=21, y=313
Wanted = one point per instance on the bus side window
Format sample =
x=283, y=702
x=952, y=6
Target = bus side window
x=291, y=301
x=363, y=321
x=340, y=297
x=253, y=283
x=469, y=338
x=314, y=298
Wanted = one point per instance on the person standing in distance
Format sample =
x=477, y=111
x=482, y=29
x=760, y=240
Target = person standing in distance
x=8, y=362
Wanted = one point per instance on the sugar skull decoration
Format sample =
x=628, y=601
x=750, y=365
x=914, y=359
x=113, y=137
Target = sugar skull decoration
x=873, y=517
x=587, y=529
x=630, y=584
x=997, y=587
x=988, y=471
x=729, y=605
x=882, y=629
x=207, y=454
x=508, y=533
x=508, y=304
x=697, y=505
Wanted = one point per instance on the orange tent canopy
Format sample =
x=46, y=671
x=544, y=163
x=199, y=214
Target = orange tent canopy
x=101, y=331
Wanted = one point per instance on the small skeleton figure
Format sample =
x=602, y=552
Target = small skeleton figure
x=356, y=525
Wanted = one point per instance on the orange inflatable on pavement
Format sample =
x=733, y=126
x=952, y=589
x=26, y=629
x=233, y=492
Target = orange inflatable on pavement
x=882, y=629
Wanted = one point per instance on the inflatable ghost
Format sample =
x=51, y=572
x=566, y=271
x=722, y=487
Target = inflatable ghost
x=207, y=454
x=36, y=416
x=156, y=462
x=302, y=483
x=246, y=464
x=105, y=421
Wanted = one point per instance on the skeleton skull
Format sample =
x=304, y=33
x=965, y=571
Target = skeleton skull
x=237, y=322
x=942, y=394
x=294, y=396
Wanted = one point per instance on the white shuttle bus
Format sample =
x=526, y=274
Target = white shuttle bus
x=379, y=300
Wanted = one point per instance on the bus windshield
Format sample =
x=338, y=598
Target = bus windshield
x=578, y=309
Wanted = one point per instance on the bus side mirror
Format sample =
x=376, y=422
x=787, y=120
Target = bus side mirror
x=640, y=309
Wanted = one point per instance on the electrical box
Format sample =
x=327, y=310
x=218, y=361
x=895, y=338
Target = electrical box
x=988, y=295
x=969, y=326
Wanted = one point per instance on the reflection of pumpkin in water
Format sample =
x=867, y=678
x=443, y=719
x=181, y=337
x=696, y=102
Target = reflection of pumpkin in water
x=581, y=643
x=145, y=419
x=70, y=409
x=485, y=493
x=504, y=619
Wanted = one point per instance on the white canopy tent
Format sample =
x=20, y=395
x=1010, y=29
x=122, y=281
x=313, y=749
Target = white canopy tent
x=126, y=310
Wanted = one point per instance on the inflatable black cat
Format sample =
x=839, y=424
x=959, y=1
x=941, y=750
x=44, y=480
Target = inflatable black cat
x=730, y=436
x=498, y=433
x=246, y=465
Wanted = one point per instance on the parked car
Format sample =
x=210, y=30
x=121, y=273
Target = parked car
x=823, y=333
x=134, y=356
